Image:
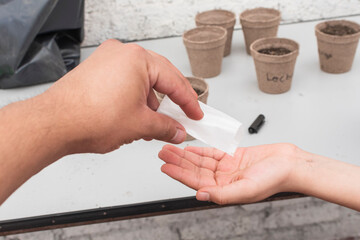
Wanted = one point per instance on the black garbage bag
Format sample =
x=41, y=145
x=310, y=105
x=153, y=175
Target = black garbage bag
x=39, y=40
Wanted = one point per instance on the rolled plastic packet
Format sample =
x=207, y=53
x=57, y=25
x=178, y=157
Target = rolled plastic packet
x=215, y=129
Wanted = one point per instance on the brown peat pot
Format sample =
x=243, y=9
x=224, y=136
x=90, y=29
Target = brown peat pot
x=337, y=42
x=221, y=18
x=205, y=47
x=259, y=23
x=274, y=60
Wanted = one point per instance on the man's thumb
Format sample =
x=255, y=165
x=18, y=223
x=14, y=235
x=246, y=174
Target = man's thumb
x=164, y=128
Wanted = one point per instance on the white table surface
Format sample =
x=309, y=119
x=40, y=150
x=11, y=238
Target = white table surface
x=318, y=114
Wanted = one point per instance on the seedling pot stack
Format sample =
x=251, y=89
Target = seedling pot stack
x=205, y=47
x=259, y=23
x=221, y=18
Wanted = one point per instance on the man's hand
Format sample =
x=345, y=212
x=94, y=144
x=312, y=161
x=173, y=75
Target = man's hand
x=108, y=100
x=105, y=102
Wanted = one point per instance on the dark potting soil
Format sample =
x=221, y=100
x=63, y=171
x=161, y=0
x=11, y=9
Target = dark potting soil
x=339, y=30
x=275, y=51
x=198, y=91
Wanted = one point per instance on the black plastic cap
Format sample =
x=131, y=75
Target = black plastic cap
x=256, y=125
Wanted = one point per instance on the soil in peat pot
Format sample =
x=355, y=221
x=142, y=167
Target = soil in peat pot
x=275, y=51
x=198, y=91
x=338, y=30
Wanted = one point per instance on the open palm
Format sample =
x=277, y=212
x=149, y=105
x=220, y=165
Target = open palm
x=252, y=174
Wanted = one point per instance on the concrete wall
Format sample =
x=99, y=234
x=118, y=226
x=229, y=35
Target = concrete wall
x=143, y=19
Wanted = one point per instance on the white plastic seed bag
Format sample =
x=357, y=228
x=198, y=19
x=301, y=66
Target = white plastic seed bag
x=215, y=129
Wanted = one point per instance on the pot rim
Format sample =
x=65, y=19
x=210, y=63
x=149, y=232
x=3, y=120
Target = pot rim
x=230, y=21
x=275, y=58
x=330, y=37
x=276, y=17
x=199, y=79
x=160, y=96
x=218, y=39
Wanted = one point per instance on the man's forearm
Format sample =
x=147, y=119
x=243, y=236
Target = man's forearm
x=328, y=179
x=29, y=142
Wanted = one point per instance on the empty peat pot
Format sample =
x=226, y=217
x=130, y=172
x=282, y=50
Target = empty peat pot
x=259, y=23
x=337, y=42
x=201, y=88
x=274, y=60
x=221, y=18
x=205, y=47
